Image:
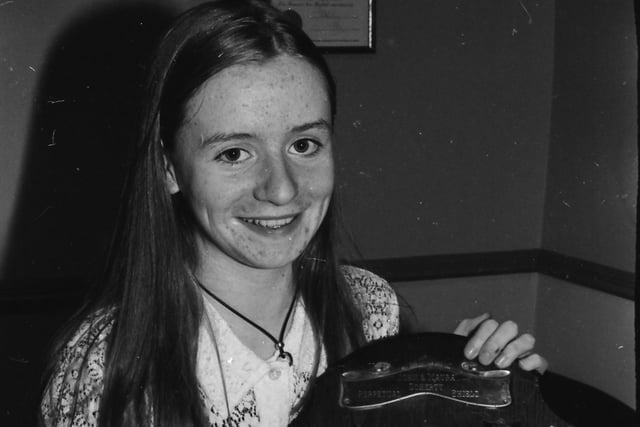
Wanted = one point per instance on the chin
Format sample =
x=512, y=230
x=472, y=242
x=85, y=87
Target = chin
x=272, y=263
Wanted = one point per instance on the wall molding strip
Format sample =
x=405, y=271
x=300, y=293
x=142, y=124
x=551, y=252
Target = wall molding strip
x=592, y=275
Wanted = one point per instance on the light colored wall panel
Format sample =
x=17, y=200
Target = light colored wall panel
x=588, y=335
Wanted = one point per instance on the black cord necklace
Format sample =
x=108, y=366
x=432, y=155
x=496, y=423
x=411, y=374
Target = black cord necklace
x=279, y=343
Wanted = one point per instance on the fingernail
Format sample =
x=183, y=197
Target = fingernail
x=471, y=353
x=486, y=357
x=501, y=361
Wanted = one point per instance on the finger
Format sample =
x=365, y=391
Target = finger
x=500, y=338
x=534, y=361
x=516, y=349
x=468, y=325
x=480, y=336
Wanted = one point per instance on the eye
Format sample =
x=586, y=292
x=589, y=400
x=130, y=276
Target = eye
x=305, y=146
x=233, y=155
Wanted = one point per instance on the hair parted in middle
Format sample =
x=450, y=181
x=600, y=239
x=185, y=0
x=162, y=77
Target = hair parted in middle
x=157, y=309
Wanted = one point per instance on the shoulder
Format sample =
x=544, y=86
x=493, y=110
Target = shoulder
x=377, y=301
x=366, y=285
x=74, y=389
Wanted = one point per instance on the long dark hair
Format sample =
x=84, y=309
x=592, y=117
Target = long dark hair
x=152, y=347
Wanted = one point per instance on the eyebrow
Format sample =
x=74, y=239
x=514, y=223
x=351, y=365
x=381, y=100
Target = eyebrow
x=318, y=124
x=220, y=137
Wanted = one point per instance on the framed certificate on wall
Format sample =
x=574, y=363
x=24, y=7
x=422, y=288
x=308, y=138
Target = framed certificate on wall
x=334, y=25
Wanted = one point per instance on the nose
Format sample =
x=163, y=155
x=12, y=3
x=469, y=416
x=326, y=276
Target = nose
x=277, y=184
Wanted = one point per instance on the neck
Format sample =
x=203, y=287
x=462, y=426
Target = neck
x=263, y=295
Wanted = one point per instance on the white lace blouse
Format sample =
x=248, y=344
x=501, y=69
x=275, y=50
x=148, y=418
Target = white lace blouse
x=249, y=391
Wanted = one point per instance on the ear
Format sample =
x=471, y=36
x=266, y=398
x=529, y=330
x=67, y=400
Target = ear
x=170, y=175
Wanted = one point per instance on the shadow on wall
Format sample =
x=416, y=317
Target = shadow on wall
x=82, y=127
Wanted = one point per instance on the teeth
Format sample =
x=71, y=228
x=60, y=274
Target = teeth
x=272, y=224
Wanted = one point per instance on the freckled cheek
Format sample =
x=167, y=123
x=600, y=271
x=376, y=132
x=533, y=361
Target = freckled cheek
x=320, y=199
x=247, y=245
x=210, y=204
x=219, y=197
x=318, y=185
x=241, y=240
x=318, y=188
x=319, y=196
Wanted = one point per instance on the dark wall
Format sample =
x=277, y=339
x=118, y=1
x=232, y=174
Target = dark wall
x=443, y=132
x=79, y=119
x=590, y=209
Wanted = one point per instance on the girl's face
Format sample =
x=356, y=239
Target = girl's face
x=253, y=159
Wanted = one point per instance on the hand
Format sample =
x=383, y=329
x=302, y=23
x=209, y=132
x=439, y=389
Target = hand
x=500, y=344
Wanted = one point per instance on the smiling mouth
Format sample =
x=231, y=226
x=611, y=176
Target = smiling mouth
x=270, y=224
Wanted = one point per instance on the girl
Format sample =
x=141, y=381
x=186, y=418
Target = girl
x=224, y=298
